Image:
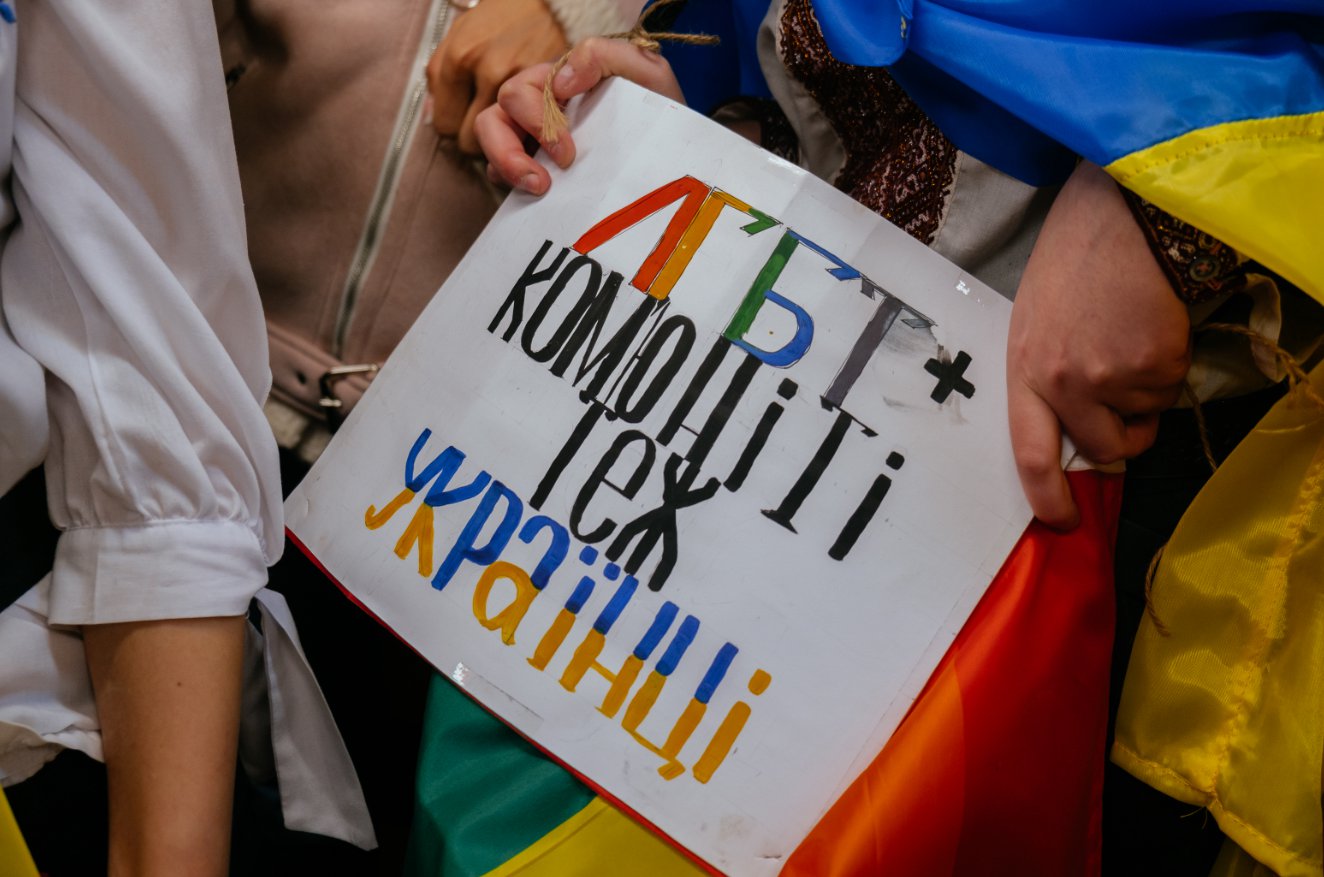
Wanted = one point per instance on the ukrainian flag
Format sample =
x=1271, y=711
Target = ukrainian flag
x=1211, y=109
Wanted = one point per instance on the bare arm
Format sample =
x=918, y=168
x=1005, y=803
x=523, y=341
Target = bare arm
x=168, y=695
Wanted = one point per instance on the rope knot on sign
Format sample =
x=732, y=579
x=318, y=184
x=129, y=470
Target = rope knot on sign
x=553, y=116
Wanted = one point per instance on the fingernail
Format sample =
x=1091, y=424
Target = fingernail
x=563, y=77
x=528, y=183
x=426, y=121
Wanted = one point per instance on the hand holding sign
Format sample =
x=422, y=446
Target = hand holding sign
x=1099, y=344
x=502, y=129
x=488, y=44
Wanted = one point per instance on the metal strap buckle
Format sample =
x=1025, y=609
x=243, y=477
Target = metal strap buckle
x=330, y=402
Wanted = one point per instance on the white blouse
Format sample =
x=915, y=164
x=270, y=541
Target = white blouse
x=127, y=279
x=23, y=428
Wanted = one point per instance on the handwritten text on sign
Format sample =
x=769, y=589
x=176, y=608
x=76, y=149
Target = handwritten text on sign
x=643, y=484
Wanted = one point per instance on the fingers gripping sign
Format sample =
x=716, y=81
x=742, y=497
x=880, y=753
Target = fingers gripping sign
x=520, y=113
x=1099, y=343
x=486, y=46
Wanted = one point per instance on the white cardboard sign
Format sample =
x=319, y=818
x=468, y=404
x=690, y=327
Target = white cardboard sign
x=690, y=473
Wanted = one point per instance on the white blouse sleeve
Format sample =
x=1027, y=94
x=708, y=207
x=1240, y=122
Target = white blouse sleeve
x=127, y=278
x=23, y=422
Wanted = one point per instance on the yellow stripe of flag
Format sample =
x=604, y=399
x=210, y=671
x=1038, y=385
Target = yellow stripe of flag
x=15, y=860
x=1253, y=184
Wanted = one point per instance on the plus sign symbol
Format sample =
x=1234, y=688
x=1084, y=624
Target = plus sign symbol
x=950, y=377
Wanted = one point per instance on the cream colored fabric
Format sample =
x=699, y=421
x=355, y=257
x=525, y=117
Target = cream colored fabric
x=580, y=19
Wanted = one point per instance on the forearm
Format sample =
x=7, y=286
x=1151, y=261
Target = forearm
x=168, y=695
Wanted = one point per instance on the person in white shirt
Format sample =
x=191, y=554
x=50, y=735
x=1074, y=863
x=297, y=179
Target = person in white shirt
x=125, y=282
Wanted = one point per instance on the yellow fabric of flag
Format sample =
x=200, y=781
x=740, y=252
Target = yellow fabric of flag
x=1255, y=184
x=15, y=860
x=1233, y=861
x=1226, y=711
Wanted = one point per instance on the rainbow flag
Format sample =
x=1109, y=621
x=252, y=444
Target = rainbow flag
x=999, y=762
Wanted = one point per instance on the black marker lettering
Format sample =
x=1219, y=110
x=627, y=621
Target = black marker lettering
x=599, y=477
x=633, y=410
x=660, y=523
x=808, y=479
x=759, y=437
x=567, y=325
x=515, y=300
x=864, y=512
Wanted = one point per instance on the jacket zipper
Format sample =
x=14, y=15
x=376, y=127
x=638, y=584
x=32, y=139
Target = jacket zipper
x=406, y=125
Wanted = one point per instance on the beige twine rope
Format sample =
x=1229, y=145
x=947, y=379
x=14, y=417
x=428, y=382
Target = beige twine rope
x=553, y=117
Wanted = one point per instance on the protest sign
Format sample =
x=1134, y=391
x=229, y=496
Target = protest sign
x=690, y=473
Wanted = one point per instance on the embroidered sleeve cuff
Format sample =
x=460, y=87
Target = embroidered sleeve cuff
x=170, y=569
x=580, y=19
x=1199, y=266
